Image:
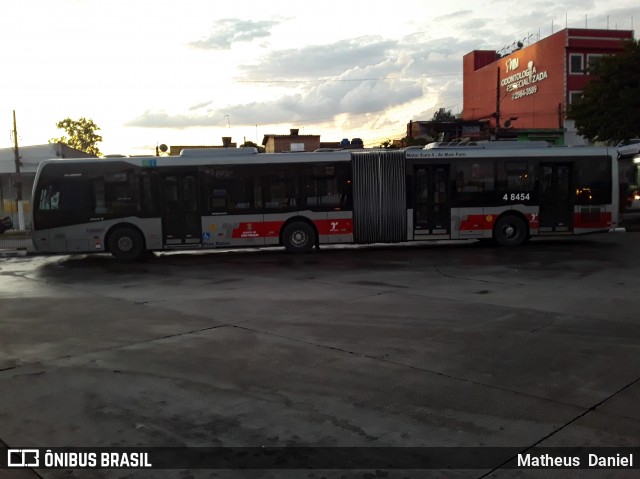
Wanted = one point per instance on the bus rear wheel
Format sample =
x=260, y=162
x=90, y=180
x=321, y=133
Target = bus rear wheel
x=126, y=243
x=510, y=230
x=298, y=237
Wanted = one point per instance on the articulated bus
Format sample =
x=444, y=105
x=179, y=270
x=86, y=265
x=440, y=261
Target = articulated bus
x=226, y=198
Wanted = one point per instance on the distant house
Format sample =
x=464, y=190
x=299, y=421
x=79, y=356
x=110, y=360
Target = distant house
x=291, y=142
x=174, y=150
x=16, y=186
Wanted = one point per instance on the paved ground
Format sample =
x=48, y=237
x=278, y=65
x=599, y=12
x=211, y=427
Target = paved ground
x=439, y=345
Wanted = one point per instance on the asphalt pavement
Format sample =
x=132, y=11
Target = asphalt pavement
x=454, y=344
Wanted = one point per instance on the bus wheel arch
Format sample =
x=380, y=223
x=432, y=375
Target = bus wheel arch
x=511, y=229
x=125, y=242
x=298, y=235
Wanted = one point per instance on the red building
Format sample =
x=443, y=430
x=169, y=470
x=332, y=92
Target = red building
x=526, y=93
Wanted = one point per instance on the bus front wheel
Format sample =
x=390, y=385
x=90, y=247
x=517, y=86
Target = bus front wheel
x=298, y=237
x=510, y=230
x=126, y=243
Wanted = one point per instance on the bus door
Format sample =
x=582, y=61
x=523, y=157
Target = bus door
x=432, y=209
x=556, y=204
x=181, y=222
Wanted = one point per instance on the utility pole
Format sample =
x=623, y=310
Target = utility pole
x=559, y=115
x=16, y=153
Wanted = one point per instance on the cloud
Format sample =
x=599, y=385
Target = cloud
x=457, y=15
x=162, y=119
x=201, y=105
x=356, y=80
x=320, y=103
x=357, y=91
x=228, y=31
x=320, y=60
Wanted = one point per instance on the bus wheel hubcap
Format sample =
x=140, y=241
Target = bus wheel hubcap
x=298, y=238
x=125, y=243
x=509, y=231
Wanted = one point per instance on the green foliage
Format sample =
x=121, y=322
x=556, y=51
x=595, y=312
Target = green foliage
x=411, y=141
x=443, y=115
x=404, y=142
x=248, y=143
x=81, y=135
x=610, y=106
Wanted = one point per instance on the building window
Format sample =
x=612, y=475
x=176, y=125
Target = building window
x=592, y=57
x=576, y=66
x=575, y=97
x=297, y=147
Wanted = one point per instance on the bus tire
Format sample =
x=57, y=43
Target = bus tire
x=510, y=230
x=126, y=243
x=298, y=237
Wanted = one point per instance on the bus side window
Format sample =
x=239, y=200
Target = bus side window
x=346, y=195
x=515, y=176
x=121, y=193
x=473, y=176
x=148, y=185
x=593, y=182
x=49, y=198
x=69, y=200
x=245, y=194
x=218, y=200
x=230, y=190
x=99, y=196
x=279, y=191
x=324, y=189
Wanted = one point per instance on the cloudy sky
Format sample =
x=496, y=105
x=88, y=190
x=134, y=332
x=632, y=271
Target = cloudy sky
x=193, y=71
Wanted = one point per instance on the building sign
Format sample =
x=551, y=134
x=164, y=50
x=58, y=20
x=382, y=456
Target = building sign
x=522, y=83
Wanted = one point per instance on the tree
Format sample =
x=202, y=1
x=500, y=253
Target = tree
x=610, y=105
x=248, y=143
x=443, y=115
x=81, y=135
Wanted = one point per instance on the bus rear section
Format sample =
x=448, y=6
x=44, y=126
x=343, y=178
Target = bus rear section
x=510, y=194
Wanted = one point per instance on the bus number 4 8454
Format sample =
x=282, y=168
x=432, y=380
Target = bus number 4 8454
x=516, y=197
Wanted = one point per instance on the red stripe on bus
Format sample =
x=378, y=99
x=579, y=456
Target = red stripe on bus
x=271, y=229
x=476, y=222
x=589, y=219
x=334, y=226
x=580, y=220
x=486, y=222
x=257, y=229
